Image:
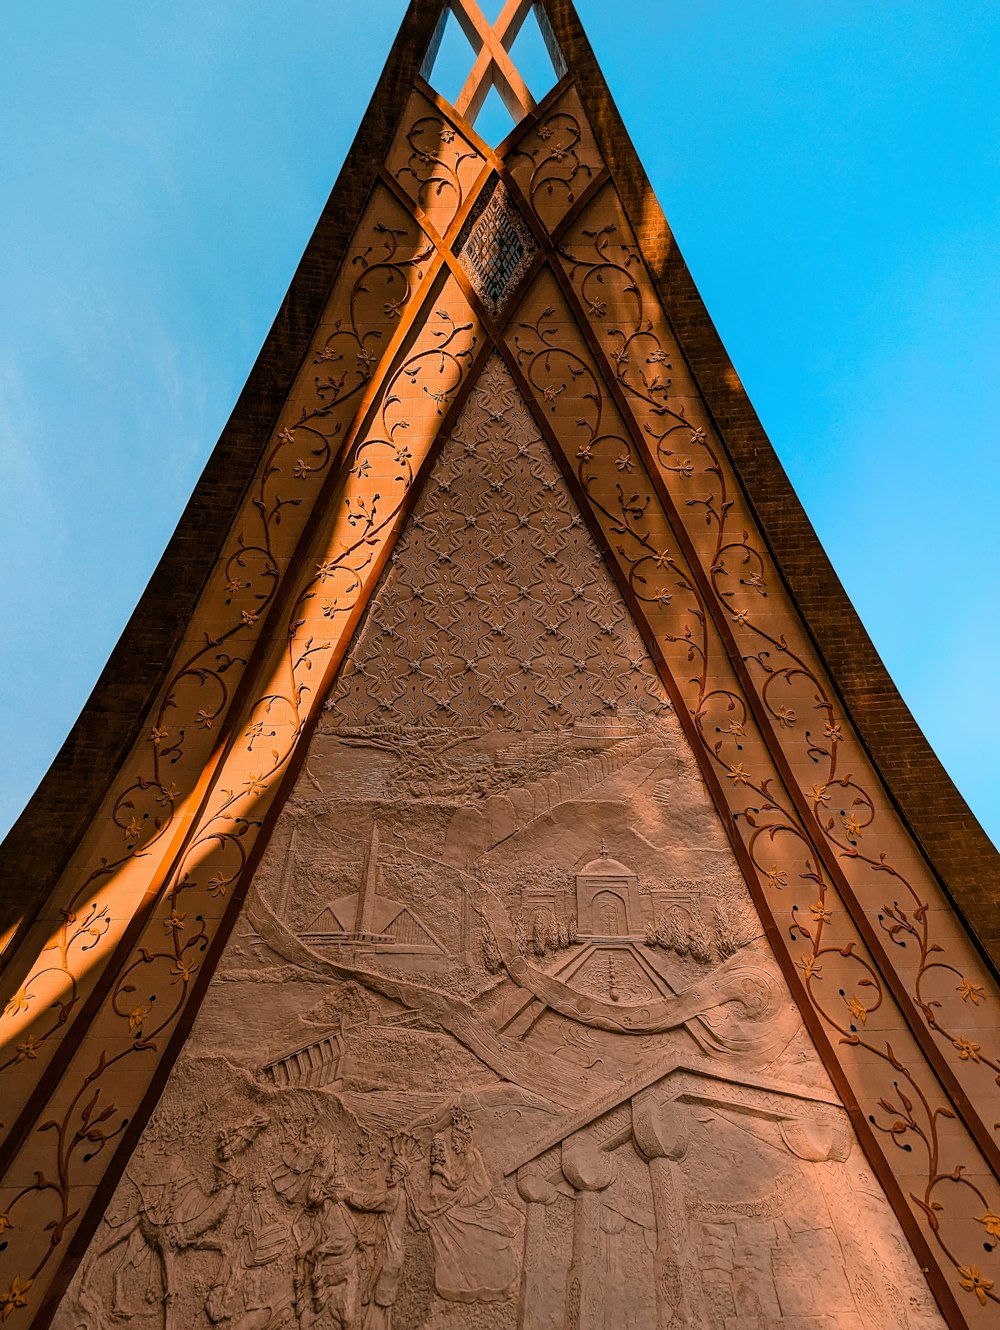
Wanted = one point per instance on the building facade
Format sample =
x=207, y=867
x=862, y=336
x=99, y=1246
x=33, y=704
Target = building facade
x=495, y=884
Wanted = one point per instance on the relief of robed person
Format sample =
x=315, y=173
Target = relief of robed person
x=475, y=1235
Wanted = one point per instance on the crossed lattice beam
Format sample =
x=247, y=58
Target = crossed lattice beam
x=494, y=67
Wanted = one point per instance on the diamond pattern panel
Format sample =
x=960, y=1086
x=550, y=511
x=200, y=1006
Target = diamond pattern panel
x=496, y=248
x=523, y=606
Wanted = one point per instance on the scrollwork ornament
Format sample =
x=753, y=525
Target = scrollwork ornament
x=840, y=979
x=431, y=172
x=100, y=1090
x=603, y=265
x=195, y=700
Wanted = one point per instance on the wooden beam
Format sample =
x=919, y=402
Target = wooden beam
x=493, y=67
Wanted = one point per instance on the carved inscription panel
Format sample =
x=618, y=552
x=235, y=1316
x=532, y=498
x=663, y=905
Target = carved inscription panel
x=498, y=1042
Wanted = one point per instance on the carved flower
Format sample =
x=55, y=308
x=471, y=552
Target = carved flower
x=327, y=569
x=233, y=585
x=967, y=1051
x=255, y=786
x=218, y=885
x=176, y=920
x=287, y=435
x=366, y=359
x=447, y=135
x=834, y=733
x=157, y=736
x=989, y=1221
x=740, y=617
x=737, y=729
x=585, y=453
x=331, y=608
x=204, y=720
x=853, y=827
x=183, y=970
x=167, y=795
x=664, y=598
x=19, y=1002
x=392, y=309
x=136, y=1017
x=249, y=618
x=301, y=469
x=255, y=730
x=698, y=436
x=785, y=716
x=756, y=581
x=598, y=309
x=809, y=967
x=624, y=463
x=658, y=358
x=403, y=455
x=133, y=829
x=14, y=1297
x=5, y=1224
x=972, y=993
x=361, y=468
x=26, y=1050
x=821, y=913
x=858, y=1010
x=550, y=393
x=685, y=468
x=738, y=775
x=776, y=878
x=974, y=1282
x=820, y=794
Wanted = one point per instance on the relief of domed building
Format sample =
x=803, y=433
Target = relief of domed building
x=607, y=899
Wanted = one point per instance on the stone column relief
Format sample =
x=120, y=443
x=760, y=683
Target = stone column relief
x=537, y=1193
x=588, y=1172
x=661, y=1138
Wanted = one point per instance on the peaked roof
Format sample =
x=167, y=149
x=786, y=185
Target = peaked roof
x=39, y=845
x=172, y=851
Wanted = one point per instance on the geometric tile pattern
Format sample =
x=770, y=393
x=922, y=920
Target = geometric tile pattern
x=497, y=610
x=496, y=248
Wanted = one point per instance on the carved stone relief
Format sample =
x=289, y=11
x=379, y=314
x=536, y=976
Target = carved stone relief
x=497, y=1041
x=495, y=248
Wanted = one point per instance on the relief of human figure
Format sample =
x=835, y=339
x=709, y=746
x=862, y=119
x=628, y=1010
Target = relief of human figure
x=475, y=1235
x=244, y=1297
x=388, y=1247
x=175, y=1215
x=349, y=1243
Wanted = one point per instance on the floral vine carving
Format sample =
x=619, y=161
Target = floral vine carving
x=155, y=986
x=550, y=164
x=605, y=268
x=197, y=695
x=432, y=171
x=840, y=978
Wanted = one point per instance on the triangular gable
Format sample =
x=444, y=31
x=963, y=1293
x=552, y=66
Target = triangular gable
x=573, y=281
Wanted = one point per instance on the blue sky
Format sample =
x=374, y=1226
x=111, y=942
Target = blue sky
x=830, y=170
